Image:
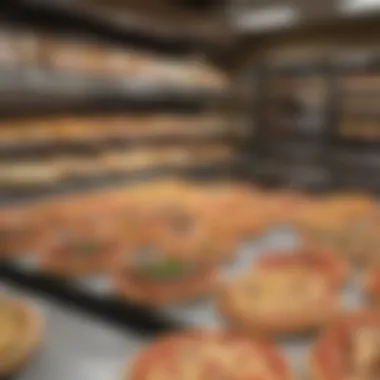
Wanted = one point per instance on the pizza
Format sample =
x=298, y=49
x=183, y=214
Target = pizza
x=357, y=241
x=232, y=211
x=81, y=246
x=349, y=348
x=287, y=292
x=208, y=355
x=20, y=333
x=149, y=275
x=21, y=231
x=334, y=211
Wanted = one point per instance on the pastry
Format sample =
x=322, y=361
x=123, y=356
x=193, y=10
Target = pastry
x=208, y=355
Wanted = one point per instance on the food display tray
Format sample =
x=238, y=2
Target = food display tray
x=94, y=296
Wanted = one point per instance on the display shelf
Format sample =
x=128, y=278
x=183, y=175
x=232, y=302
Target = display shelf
x=53, y=148
x=116, y=311
x=15, y=195
x=127, y=29
x=43, y=83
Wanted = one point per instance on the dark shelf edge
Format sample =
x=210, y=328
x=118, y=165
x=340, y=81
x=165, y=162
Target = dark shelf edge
x=118, y=312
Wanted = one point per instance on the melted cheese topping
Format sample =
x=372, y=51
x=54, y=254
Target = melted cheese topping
x=278, y=291
x=213, y=360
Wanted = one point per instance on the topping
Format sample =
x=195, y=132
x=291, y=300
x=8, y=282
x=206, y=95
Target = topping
x=165, y=269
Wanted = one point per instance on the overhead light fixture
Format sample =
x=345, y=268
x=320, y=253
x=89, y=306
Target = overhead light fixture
x=356, y=6
x=268, y=18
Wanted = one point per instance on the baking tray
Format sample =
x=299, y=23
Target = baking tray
x=150, y=322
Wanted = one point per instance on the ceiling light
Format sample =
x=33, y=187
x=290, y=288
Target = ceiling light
x=268, y=18
x=353, y=6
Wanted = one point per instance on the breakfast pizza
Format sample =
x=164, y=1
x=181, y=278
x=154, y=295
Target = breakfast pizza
x=284, y=293
x=208, y=355
x=150, y=275
x=349, y=348
x=20, y=332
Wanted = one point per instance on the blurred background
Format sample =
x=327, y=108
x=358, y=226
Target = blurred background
x=97, y=93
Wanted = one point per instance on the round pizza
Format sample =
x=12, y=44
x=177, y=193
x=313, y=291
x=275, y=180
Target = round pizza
x=348, y=348
x=357, y=241
x=20, y=333
x=149, y=275
x=79, y=247
x=191, y=235
x=208, y=355
x=21, y=231
x=284, y=293
x=331, y=213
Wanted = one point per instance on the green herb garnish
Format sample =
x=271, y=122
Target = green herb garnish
x=165, y=269
x=87, y=248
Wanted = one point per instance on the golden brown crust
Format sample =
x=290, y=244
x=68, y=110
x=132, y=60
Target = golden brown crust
x=27, y=339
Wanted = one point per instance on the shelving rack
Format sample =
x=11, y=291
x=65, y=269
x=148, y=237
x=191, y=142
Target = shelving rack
x=43, y=91
x=287, y=158
x=99, y=94
x=356, y=158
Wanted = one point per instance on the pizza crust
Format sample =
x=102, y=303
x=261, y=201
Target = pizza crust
x=22, y=345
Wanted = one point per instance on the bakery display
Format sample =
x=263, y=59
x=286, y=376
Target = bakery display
x=348, y=348
x=208, y=355
x=20, y=334
x=288, y=292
